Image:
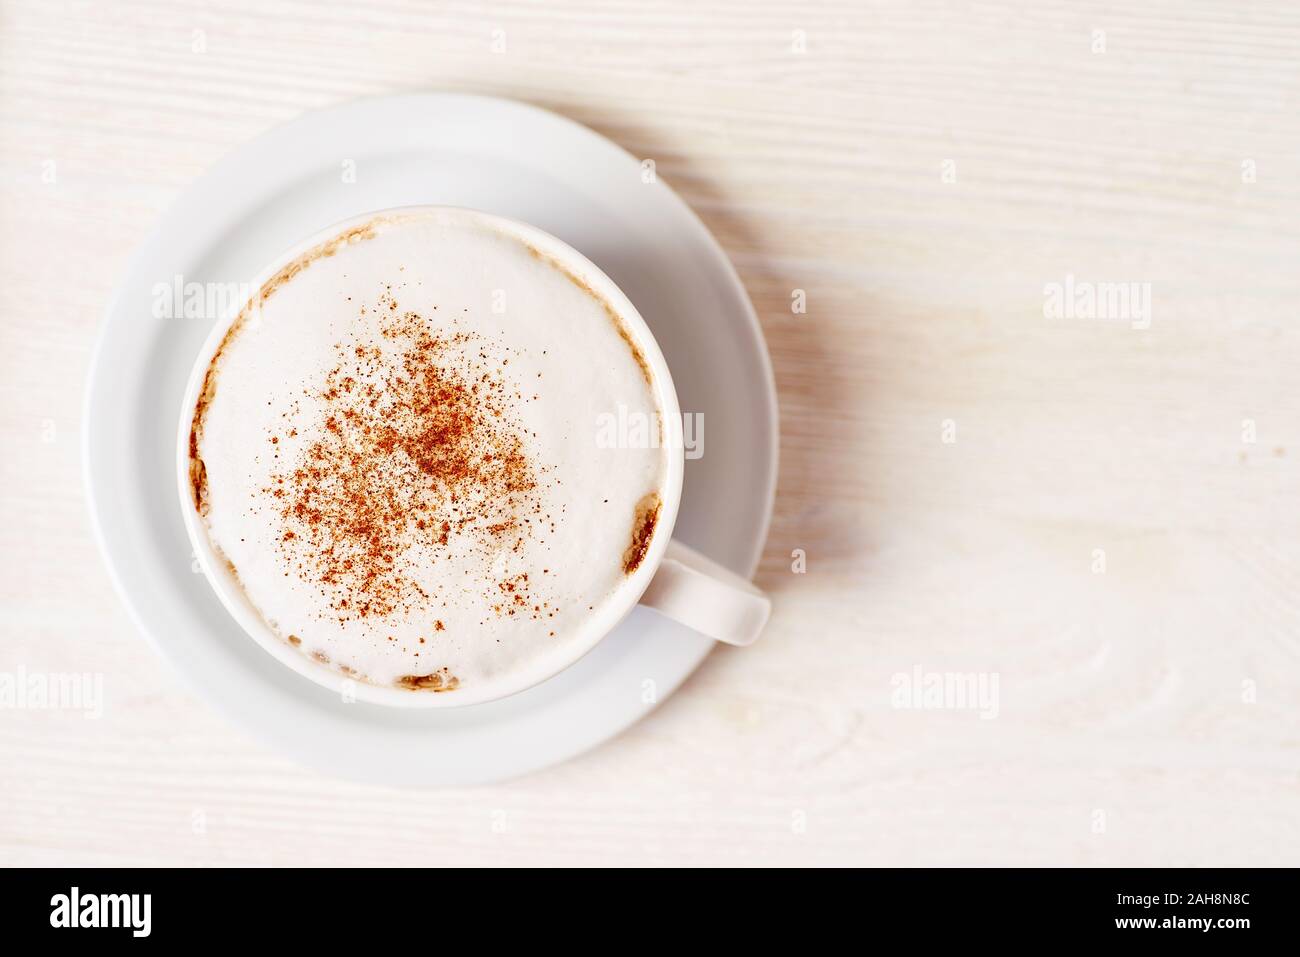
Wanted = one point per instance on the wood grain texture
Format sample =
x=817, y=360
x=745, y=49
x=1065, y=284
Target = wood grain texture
x=921, y=171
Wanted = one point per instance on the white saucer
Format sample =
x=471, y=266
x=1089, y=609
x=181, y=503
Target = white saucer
x=489, y=154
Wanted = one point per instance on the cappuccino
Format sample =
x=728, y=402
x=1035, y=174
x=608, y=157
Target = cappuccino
x=394, y=451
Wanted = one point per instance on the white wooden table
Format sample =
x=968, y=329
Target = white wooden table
x=1101, y=516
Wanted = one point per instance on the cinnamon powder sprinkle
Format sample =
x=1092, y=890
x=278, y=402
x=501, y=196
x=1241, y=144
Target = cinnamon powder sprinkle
x=416, y=455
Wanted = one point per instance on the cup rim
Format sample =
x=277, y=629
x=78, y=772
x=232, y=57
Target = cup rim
x=221, y=577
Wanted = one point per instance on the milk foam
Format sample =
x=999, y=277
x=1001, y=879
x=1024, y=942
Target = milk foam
x=468, y=588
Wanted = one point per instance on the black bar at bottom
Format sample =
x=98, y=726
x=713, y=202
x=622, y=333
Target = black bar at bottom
x=434, y=907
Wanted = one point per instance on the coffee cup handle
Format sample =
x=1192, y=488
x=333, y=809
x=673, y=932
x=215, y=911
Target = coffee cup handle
x=702, y=595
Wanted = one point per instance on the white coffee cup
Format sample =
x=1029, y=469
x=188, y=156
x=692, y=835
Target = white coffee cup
x=672, y=578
